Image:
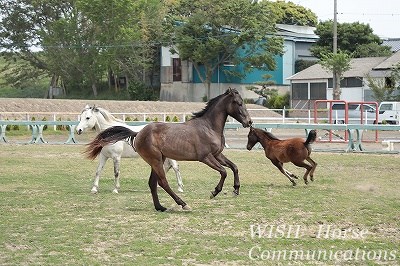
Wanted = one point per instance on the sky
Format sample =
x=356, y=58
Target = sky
x=383, y=16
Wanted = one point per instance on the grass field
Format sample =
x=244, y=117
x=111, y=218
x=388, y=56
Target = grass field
x=49, y=217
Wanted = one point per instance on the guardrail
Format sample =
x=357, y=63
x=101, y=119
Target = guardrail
x=259, y=115
x=37, y=128
x=354, y=131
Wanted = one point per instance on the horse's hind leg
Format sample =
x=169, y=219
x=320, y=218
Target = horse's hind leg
x=158, y=173
x=153, y=188
x=279, y=165
x=102, y=161
x=168, y=164
x=313, y=165
x=117, y=161
x=308, y=169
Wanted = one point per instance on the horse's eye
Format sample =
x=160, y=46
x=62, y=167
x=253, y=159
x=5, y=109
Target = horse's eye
x=87, y=118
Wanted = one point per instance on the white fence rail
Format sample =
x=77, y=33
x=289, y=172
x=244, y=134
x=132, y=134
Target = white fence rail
x=260, y=115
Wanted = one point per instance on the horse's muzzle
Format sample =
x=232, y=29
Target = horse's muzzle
x=247, y=124
x=79, y=131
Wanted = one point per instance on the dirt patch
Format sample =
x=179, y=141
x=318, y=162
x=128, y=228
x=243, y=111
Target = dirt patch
x=16, y=107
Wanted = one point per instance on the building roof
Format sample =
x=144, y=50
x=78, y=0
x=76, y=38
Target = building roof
x=303, y=33
x=389, y=62
x=359, y=67
x=393, y=43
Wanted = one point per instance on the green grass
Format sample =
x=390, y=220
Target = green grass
x=48, y=215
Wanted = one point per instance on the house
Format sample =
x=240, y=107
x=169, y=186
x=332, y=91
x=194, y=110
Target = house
x=315, y=83
x=180, y=82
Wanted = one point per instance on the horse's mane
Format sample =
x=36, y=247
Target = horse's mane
x=108, y=116
x=211, y=103
x=268, y=135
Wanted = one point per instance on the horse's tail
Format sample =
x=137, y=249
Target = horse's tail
x=109, y=136
x=312, y=136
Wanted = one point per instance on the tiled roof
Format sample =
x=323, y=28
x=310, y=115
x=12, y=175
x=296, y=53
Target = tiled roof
x=393, y=43
x=360, y=67
x=389, y=62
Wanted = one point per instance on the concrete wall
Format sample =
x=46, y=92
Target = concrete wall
x=195, y=92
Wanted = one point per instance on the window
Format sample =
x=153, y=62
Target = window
x=300, y=91
x=176, y=69
x=347, y=82
x=389, y=82
x=318, y=91
x=354, y=82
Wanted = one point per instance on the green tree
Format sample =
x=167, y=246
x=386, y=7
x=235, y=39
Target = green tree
x=350, y=37
x=371, y=50
x=383, y=89
x=83, y=43
x=292, y=14
x=338, y=64
x=208, y=33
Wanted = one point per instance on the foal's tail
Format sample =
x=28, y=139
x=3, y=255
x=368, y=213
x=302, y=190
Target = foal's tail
x=312, y=136
x=108, y=136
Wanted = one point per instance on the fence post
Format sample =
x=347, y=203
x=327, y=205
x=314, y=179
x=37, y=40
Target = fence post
x=54, y=119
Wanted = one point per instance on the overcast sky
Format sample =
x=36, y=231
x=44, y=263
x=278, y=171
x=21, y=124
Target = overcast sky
x=382, y=15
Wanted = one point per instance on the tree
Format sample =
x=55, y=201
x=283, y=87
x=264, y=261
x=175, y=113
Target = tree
x=208, y=33
x=384, y=89
x=338, y=64
x=371, y=50
x=292, y=14
x=350, y=37
x=82, y=43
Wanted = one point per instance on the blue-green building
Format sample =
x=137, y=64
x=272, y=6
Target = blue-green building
x=180, y=82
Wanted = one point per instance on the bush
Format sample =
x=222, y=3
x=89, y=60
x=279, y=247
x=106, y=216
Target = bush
x=139, y=91
x=44, y=119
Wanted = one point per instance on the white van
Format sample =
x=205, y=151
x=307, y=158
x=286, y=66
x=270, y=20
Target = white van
x=354, y=113
x=389, y=113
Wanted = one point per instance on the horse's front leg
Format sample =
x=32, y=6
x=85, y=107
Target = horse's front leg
x=228, y=163
x=211, y=161
x=117, y=186
x=102, y=161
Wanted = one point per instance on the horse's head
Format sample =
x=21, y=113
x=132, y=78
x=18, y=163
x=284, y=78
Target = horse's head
x=87, y=119
x=252, y=138
x=237, y=108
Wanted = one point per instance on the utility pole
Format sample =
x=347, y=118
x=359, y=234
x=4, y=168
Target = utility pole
x=335, y=77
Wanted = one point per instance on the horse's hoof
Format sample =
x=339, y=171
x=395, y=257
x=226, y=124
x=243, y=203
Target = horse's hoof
x=180, y=189
x=161, y=209
x=235, y=193
x=186, y=208
x=294, y=184
x=212, y=195
x=94, y=191
x=115, y=191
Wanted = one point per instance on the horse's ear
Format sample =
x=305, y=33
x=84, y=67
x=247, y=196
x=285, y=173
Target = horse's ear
x=95, y=108
x=87, y=107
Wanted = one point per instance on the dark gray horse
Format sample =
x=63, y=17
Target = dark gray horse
x=199, y=139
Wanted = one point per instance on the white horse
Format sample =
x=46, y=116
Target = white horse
x=100, y=119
